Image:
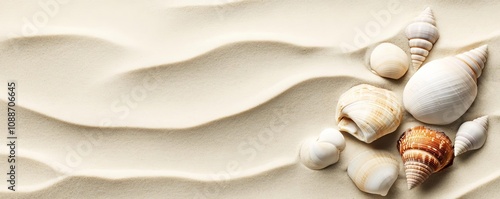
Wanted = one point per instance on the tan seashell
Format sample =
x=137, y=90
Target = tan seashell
x=424, y=152
x=471, y=135
x=388, y=60
x=324, y=151
x=374, y=172
x=368, y=112
x=442, y=90
x=422, y=35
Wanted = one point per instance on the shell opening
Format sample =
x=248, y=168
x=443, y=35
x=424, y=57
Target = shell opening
x=347, y=125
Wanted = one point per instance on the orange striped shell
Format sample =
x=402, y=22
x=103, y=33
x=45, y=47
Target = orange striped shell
x=424, y=151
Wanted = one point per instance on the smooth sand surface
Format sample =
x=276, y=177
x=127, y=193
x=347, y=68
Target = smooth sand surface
x=213, y=98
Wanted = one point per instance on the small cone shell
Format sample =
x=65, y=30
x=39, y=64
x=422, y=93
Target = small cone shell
x=422, y=33
x=424, y=151
x=471, y=135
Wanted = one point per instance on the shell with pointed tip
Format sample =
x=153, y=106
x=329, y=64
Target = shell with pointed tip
x=424, y=152
x=442, y=90
x=368, y=112
x=388, y=60
x=373, y=172
x=323, y=152
x=422, y=34
x=471, y=135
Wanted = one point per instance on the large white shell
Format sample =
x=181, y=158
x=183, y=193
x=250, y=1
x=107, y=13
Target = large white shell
x=368, y=112
x=471, y=135
x=373, y=172
x=323, y=152
x=442, y=90
x=388, y=60
x=422, y=34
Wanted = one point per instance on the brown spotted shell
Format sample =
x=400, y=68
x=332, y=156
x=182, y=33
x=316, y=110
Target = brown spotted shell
x=424, y=151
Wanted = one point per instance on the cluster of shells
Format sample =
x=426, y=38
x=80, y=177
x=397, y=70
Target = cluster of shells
x=439, y=93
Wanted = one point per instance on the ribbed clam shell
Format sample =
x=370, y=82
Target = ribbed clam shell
x=368, y=112
x=373, y=172
x=388, y=60
x=422, y=35
x=442, y=90
x=324, y=151
x=471, y=135
x=424, y=151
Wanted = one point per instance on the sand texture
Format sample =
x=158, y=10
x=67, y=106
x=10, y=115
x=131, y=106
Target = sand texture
x=213, y=98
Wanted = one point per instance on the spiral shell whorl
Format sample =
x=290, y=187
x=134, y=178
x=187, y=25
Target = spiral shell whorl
x=323, y=152
x=475, y=59
x=422, y=34
x=424, y=151
x=416, y=173
x=471, y=135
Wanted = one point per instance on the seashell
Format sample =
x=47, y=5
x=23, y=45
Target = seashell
x=323, y=152
x=422, y=34
x=471, y=135
x=368, y=112
x=442, y=90
x=424, y=152
x=388, y=60
x=373, y=172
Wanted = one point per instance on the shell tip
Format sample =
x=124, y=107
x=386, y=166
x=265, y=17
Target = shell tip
x=427, y=12
x=411, y=186
x=458, y=152
x=483, y=48
x=483, y=118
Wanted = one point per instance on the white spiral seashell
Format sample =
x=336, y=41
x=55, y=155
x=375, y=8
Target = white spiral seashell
x=422, y=34
x=442, y=90
x=323, y=152
x=471, y=135
x=388, y=60
x=374, y=172
x=368, y=112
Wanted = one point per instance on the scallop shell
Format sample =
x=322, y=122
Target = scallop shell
x=424, y=152
x=471, y=135
x=323, y=152
x=422, y=34
x=442, y=90
x=388, y=60
x=373, y=172
x=368, y=112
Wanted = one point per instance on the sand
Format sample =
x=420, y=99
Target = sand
x=212, y=99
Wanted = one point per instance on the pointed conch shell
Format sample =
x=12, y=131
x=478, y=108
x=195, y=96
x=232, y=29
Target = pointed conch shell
x=442, y=90
x=323, y=152
x=388, y=60
x=368, y=112
x=373, y=172
x=422, y=35
x=471, y=135
x=424, y=151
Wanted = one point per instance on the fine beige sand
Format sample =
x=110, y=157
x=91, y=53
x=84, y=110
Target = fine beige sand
x=213, y=98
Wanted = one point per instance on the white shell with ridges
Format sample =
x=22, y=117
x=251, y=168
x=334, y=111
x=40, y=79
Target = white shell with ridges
x=442, y=90
x=368, y=112
x=324, y=151
x=388, y=60
x=471, y=135
x=373, y=172
x=422, y=34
